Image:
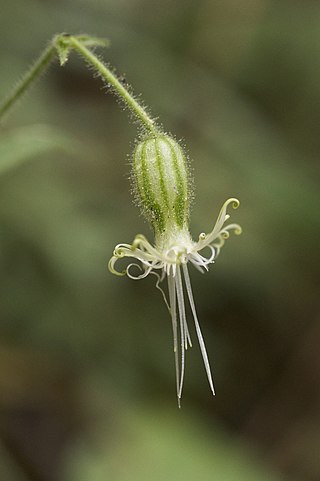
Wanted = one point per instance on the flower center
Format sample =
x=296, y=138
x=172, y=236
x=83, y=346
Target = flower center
x=174, y=245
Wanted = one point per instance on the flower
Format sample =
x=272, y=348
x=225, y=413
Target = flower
x=161, y=176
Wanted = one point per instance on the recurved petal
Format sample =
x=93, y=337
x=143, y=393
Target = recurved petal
x=111, y=266
x=207, y=239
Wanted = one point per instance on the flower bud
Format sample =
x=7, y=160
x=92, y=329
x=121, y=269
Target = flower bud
x=161, y=179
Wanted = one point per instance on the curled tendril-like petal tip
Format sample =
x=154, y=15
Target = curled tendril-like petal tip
x=118, y=253
x=138, y=240
x=238, y=230
x=135, y=244
x=145, y=271
x=140, y=237
x=111, y=268
x=235, y=202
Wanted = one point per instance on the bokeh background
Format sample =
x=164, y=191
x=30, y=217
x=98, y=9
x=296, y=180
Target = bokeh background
x=87, y=386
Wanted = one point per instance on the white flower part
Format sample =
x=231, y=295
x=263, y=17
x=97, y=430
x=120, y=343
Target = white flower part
x=169, y=257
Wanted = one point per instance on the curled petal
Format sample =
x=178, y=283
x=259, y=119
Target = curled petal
x=208, y=260
x=141, y=276
x=137, y=250
x=140, y=250
x=237, y=228
x=112, y=269
x=140, y=242
x=119, y=251
x=225, y=234
x=218, y=230
x=122, y=253
x=199, y=260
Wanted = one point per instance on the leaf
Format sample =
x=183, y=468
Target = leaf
x=64, y=46
x=24, y=143
x=89, y=41
x=158, y=445
x=63, y=53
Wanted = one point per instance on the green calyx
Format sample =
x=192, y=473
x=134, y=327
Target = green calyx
x=162, y=182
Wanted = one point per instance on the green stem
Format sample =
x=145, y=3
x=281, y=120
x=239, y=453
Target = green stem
x=111, y=79
x=31, y=75
x=65, y=43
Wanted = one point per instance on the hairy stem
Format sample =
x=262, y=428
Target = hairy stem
x=61, y=46
x=112, y=80
x=29, y=77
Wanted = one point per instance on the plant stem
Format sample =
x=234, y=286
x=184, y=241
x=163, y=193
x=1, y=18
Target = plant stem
x=65, y=43
x=30, y=76
x=111, y=79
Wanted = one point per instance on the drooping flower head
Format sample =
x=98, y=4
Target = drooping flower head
x=162, y=184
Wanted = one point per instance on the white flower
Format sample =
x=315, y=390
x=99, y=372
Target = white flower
x=169, y=257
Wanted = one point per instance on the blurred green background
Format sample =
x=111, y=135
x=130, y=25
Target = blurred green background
x=87, y=388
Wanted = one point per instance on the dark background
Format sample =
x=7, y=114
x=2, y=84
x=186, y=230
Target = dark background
x=87, y=388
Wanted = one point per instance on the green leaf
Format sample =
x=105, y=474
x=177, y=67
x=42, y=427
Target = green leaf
x=24, y=143
x=63, y=53
x=89, y=41
x=64, y=46
x=161, y=444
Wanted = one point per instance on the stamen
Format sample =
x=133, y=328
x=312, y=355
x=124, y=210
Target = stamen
x=187, y=338
x=173, y=312
x=182, y=326
x=201, y=341
x=197, y=265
